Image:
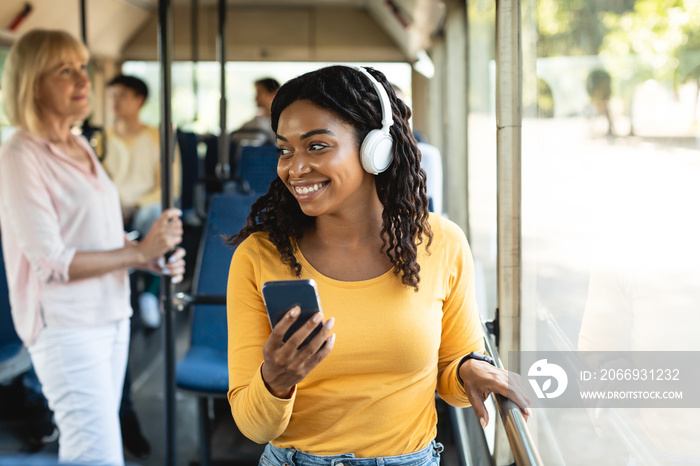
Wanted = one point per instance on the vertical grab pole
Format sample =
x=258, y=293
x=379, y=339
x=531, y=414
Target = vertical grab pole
x=166, y=157
x=195, y=56
x=83, y=22
x=509, y=127
x=223, y=169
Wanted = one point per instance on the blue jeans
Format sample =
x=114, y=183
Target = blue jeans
x=274, y=456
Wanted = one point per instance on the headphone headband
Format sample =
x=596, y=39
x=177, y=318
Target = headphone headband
x=387, y=120
x=376, y=150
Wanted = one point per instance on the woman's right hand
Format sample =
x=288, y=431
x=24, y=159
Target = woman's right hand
x=164, y=235
x=481, y=378
x=284, y=365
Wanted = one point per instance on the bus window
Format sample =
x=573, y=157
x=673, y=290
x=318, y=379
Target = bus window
x=482, y=151
x=609, y=178
x=240, y=90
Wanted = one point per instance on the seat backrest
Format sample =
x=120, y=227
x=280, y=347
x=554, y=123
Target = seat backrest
x=7, y=328
x=258, y=166
x=14, y=359
x=227, y=215
x=190, y=166
x=242, y=138
x=251, y=137
x=211, y=157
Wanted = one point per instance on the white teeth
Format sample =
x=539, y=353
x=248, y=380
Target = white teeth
x=308, y=189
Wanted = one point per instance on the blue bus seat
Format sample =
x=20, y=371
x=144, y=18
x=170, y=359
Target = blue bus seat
x=211, y=157
x=258, y=166
x=242, y=138
x=203, y=370
x=190, y=166
x=212, y=154
x=39, y=459
x=227, y=215
x=14, y=357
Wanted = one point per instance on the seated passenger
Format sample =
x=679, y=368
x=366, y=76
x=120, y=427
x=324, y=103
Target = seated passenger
x=396, y=285
x=258, y=130
x=66, y=255
x=132, y=159
x=430, y=162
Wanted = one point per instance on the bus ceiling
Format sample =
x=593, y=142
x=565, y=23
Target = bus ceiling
x=257, y=30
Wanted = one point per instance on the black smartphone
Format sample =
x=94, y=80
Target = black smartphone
x=282, y=295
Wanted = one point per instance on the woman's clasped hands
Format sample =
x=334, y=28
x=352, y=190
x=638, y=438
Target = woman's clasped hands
x=164, y=236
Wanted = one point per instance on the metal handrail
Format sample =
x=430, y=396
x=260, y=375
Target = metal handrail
x=183, y=300
x=518, y=434
x=519, y=438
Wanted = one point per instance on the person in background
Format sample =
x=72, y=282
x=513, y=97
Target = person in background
x=258, y=130
x=66, y=254
x=396, y=285
x=599, y=88
x=42, y=428
x=132, y=159
x=430, y=162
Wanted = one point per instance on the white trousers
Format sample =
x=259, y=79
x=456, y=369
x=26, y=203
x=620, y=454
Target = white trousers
x=82, y=372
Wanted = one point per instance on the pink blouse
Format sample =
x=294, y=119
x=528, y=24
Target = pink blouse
x=51, y=207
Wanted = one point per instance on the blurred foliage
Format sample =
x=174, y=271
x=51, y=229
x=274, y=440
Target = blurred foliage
x=574, y=27
x=657, y=33
x=481, y=15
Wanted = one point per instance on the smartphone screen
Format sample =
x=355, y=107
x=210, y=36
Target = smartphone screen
x=282, y=295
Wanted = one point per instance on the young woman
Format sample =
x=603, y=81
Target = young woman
x=396, y=286
x=65, y=251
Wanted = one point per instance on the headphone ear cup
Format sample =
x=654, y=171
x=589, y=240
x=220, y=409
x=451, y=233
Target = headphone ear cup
x=376, y=152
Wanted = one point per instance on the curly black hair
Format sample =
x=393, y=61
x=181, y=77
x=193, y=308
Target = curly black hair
x=401, y=188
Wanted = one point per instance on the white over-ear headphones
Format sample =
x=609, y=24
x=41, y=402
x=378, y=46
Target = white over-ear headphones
x=376, y=150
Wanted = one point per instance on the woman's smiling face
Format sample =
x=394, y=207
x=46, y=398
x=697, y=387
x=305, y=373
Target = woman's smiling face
x=319, y=161
x=62, y=91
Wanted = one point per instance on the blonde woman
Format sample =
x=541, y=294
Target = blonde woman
x=65, y=252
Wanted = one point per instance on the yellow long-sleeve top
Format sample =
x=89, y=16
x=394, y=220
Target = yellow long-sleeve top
x=374, y=395
x=134, y=166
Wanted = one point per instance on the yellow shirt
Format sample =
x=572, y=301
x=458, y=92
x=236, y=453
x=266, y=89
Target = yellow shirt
x=133, y=164
x=374, y=395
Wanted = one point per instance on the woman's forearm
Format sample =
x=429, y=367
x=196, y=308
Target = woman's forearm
x=89, y=264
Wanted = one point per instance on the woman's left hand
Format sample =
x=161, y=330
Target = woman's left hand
x=174, y=266
x=481, y=378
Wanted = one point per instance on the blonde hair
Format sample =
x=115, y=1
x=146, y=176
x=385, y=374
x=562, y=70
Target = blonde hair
x=29, y=58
